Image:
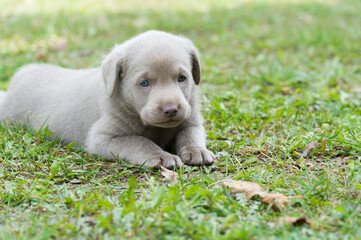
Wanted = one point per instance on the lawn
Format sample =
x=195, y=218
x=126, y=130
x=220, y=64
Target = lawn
x=281, y=98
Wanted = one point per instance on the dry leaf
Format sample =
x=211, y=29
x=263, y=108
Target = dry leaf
x=286, y=90
x=170, y=175
x=294, y=220
x=308, y=149
x=59, y=45
x=277, y=201
x=250, y=189
x=41, y=57
x=356, y=89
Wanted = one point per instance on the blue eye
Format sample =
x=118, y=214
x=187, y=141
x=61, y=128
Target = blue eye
x=182, y=78
x=144, y=83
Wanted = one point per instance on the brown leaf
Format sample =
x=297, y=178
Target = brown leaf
x=59, y=45
x=356, y=89
x=308, y=149
x=277, y=201
x=294, y=220
x=41, y=57
x=170, y=175
x=250, y=189
x=286, y=90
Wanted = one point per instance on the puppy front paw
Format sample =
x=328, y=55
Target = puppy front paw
x=165, y=159
x=196, y=156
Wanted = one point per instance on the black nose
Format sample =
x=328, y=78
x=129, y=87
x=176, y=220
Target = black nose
x=170, y=110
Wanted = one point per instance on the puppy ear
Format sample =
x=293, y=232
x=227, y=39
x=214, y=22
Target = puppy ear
x=112, y=71
x=196, y=67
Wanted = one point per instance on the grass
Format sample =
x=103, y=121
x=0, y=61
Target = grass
x=277, y=75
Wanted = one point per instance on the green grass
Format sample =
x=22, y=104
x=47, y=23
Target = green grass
x=277, y=75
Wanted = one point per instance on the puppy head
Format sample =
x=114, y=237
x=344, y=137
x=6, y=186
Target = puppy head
x=155, y=73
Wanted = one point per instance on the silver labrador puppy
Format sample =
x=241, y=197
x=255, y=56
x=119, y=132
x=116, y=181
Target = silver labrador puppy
x=139, y=104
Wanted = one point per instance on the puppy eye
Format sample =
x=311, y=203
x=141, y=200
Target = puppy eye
x=182, y=78
x=144, y=83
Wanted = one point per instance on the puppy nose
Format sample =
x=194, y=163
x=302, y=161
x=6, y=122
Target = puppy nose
x=170, y=110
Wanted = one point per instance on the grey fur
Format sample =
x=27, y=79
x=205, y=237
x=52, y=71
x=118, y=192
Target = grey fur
x=106, y=110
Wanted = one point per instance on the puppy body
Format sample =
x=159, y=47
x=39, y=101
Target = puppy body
x=66, y=100
x=139, y=103
x=2, y=96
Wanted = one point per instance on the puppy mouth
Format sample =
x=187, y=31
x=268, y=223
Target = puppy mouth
x=162, y=121
x=168, y=124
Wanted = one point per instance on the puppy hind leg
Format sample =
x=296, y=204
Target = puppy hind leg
x=2, y=100
x=2, y=97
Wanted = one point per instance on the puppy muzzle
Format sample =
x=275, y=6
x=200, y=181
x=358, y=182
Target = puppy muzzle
x=167, y=115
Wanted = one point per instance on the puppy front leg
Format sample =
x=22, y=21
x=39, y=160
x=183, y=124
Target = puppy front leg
x=134, y=149
x=191, y=147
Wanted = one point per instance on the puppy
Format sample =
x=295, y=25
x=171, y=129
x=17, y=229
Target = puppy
x=139, y=104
